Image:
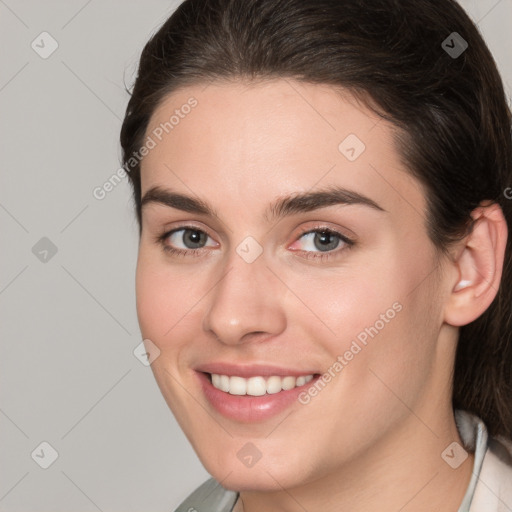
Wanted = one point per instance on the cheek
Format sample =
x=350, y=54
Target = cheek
x=343, y=303
x=163, y=300
x=151, y=300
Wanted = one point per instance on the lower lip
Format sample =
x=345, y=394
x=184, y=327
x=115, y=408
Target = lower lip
x=247, y=408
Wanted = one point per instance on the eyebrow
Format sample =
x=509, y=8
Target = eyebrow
x=280, y=208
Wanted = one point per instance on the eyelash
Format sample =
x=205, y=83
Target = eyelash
x=310, y=255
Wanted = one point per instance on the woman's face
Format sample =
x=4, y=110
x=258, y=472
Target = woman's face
x=344, y=286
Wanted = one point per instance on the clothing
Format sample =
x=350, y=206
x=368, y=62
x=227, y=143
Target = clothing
x=489, y=490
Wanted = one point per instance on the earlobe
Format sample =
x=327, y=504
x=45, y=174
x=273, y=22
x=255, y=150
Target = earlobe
x=479, y=265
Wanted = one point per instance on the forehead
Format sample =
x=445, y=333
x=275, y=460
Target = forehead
x=275, y=137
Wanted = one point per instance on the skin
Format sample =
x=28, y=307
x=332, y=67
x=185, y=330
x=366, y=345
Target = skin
x=372, y=438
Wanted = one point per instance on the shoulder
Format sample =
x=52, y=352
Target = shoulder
x=209, y=496
x=494, y=488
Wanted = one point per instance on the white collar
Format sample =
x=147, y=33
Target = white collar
x=490, y=487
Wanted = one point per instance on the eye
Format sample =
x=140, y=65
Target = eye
x=322, y=242
x=187, y=240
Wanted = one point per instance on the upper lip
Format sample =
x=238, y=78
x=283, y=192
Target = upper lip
x=251, y=370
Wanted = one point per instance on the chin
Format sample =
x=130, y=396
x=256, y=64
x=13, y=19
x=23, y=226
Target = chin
x=268, y=476
x=251, y=482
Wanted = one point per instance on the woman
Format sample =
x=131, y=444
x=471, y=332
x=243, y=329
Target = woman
x=324, y=275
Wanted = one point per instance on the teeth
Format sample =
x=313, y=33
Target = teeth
x=274, y=385
x=288, y=383
x=257, y=386
x=237, y=386
x=224, y=383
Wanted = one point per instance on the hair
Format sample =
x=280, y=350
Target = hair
x=451, y=114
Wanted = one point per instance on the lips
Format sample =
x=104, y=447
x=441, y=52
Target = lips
x=253, y=370
x=249, y=393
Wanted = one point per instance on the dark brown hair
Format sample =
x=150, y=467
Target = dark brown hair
x=454, y=125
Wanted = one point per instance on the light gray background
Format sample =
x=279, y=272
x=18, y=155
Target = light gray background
x=68, y=325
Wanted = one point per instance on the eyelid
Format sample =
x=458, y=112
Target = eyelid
x=183, y=227
x=169, y=229
x=325, y=226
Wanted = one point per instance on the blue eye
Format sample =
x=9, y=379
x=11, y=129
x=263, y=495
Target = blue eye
x=192, y=238
x=321, y=242
x=324, y=243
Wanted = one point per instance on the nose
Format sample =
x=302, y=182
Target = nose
x=245, y=303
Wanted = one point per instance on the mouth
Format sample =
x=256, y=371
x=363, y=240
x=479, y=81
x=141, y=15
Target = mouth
x=257, y=385
x=251, y=394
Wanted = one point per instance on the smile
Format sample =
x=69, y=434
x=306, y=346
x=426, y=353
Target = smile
x=257, y=386
x=252, y=393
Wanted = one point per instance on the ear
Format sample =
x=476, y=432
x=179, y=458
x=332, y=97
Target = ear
x=479, y=266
